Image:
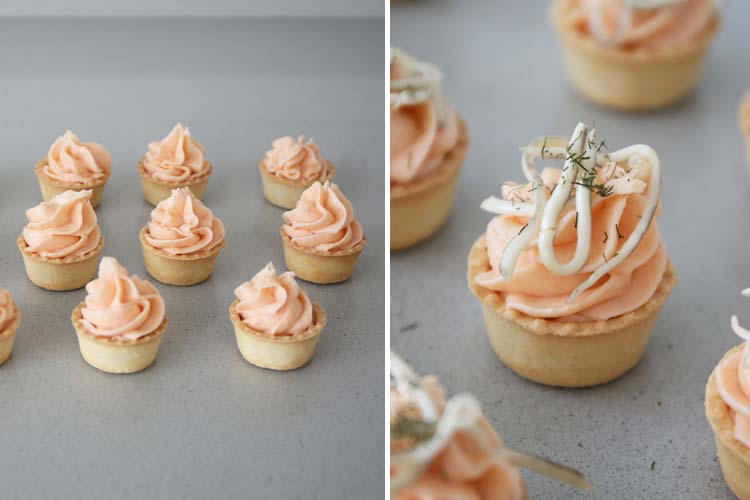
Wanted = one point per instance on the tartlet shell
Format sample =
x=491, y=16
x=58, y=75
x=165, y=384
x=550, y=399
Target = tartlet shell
x=117, y=355
x=565, y=354
x=63, y=274
x=629, y=80
x=734, y=457
x=181, y=270
x=273, y=351
x=320, y=267
x=420, y=207
x=50, y=187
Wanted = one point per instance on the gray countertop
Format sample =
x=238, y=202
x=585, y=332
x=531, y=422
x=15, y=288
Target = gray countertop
x=645, y=435
x=201, y=422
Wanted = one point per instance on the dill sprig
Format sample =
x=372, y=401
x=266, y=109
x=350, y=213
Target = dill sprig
x=588, y=180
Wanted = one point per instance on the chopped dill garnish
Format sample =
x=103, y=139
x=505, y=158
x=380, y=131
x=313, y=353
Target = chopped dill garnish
x=524, y=227
x=619, y=235
x=606, y=237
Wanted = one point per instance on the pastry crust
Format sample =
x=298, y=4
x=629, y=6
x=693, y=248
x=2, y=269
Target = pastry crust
x=155, y=191
x=182, y=270
x=51, y=187
x=68, y=273
x=117, y=355
x=8, y=334
x=734, y=457
x=420, y=207
x=629, y=80
x=315, y=266
x=565, y=354
x=286, y=193
x=277, y=352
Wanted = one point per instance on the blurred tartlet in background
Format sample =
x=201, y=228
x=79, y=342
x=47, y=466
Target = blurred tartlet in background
x=429, y=141
x=447, y=448
x=728, y=411
x=635, y=54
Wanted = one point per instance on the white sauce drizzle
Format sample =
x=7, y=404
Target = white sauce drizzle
x=581, y=159
x=629, y=7
x=423, y=81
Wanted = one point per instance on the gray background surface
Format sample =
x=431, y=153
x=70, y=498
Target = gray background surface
x=201, y=422
x=192, y=8
x=504, y=75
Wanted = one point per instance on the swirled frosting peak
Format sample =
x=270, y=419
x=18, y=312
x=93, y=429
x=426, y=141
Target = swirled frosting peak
x=183, y=225
x=74, y=162
x=177, y=158
x=733, y=381
x=119, y=306
x=651, y=24
x=64, y=226
x=296, y=160
x=423, y=130
x=6, y=309
x=323, y=220
x=274, y=304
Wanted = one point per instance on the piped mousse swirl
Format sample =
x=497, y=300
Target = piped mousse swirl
x=178, y=158
x=733, y=382
x=119, y=306
x=423, y=127
x=70, y=161
x=323, y=220
x=643, y=24
x=297, y=160
x=183, y=225
x=581, y=243
x=274, y=304
x=6, y=309
x=66, y=226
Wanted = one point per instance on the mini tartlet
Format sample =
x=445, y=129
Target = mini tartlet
x=276, y=324
x=10, y=319
x=443, y=449
x=121, y=322
x=635, y=54
x=429, y=142
x=62, y=242
x=322, y=239
x=572, y=275
x=74, y=165
x=290, y=167
x=176, y=161
x=728, y=412
x=182, y=241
